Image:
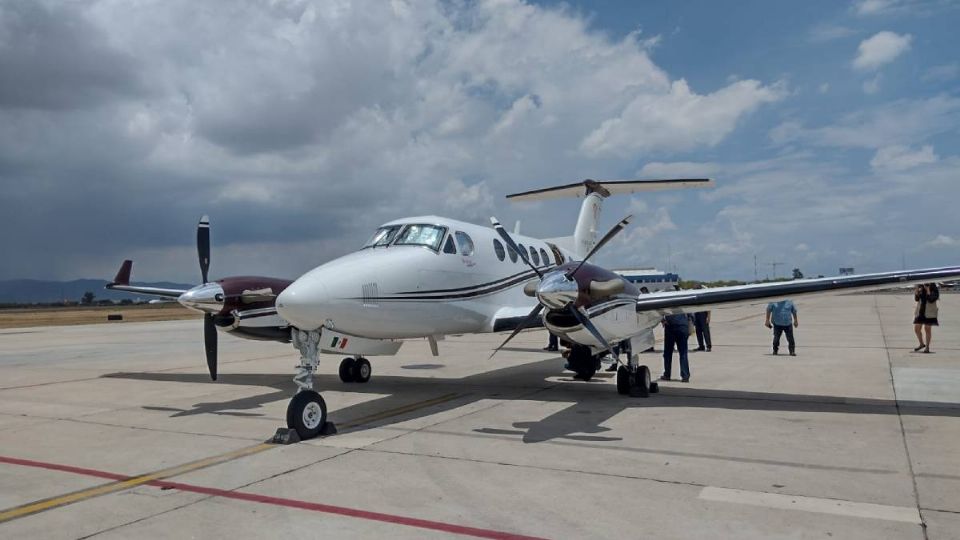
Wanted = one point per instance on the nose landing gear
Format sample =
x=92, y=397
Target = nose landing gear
x=307, y=412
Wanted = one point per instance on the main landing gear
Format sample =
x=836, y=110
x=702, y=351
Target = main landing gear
x=355, y=370
x=632, y=378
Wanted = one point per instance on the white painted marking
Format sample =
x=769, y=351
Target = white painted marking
x=812, y=504
x=928, y=385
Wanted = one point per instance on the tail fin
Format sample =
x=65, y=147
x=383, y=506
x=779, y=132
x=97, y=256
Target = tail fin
x=593, y=192
x=123, y=275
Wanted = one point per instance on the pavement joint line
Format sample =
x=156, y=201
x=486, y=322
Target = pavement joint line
x=121, y=484
x=158, y=480
x=903, y=432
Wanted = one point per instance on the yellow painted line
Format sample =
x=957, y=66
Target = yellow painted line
x=400, y=410
x=121, y=485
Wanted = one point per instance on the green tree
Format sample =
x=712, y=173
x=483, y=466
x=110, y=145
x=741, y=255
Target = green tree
x=87, y=298
x=797, y=274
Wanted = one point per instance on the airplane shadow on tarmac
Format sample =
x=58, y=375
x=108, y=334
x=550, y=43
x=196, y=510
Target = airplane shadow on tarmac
x=591, y=404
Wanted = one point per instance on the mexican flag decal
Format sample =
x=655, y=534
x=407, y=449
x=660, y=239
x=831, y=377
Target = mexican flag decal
x=338, y=343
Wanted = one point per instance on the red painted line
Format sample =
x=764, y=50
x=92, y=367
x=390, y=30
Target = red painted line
x=280, y=501
x=63, y=468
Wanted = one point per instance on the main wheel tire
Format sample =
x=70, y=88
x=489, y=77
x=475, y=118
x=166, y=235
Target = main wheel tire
x=307, y=413
x=348, y=370
x=362, y=370
x=623, y=380
x=641, y=382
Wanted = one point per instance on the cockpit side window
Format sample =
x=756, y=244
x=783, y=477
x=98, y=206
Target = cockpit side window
x=383, y=236
x=421, y=235
x=448, y=246
x=465, y=242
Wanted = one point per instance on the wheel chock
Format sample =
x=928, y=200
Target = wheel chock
x=285, y=436
x=329, y=428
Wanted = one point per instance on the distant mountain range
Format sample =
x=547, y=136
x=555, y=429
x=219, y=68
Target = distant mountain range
x=32, y=291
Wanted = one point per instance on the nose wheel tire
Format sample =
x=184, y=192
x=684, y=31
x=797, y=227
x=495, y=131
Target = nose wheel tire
x=348, y=369
x=307, y=413
x=362, y=370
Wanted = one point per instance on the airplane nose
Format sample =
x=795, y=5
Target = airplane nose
x=300, y=304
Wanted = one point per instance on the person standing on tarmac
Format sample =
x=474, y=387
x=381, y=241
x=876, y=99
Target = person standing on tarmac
x=676, y=331
x=782, y=317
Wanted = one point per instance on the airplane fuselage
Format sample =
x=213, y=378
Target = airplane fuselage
x=444, y=277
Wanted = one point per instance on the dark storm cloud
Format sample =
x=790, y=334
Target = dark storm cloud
x=51, y=57
x=298, y=126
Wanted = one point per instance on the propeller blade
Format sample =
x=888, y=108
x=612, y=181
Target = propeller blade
x=509, y=241
x=203, y=246
x=606, y=238
x=585, y=321
x=526, y=322
x=210, y=343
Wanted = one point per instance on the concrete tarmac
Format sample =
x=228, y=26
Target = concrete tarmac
x=115, y=431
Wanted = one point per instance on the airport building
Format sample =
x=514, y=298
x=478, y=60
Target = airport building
x=651, y=278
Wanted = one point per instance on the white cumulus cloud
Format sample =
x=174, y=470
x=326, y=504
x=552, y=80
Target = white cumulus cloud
x=881, y=48
x=680, y=119
x=900, y=158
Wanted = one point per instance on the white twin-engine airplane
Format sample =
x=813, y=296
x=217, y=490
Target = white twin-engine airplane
x=431, y=276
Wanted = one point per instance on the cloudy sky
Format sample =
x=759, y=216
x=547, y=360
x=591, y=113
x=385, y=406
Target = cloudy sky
x=831, y=128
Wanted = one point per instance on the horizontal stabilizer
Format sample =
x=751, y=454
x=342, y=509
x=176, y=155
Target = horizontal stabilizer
x=121, y=282
x=605, y=188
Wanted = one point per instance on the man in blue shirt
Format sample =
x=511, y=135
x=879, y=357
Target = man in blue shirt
x=676, y=331
x=782, y=317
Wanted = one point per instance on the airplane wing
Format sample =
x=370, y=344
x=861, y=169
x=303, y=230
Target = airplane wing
x=608, y=187
x=121, y=282
x=688, y=301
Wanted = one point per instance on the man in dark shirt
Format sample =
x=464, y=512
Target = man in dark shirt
x=702, y=321
x=676, y=331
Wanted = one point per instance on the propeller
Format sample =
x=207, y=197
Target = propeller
x=603, y=241
x=525, y=323
x=203, y=246
x=509, y=241
x=585, y=321
x=210, y=343
x=209, y=327
x=601, y=288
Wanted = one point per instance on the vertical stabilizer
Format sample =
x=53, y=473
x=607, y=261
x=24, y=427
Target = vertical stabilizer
x=585, y=234
x=594, y=192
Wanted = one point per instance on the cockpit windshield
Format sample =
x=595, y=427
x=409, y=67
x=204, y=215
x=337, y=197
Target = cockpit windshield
x=421, y=235
x=383, y=236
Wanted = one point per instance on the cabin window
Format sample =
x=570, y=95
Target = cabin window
x=466, y=243
x=522, y=251
x=498, y=249
x=512, y=254
x=421, y=235
x=534, y=256
x=449, y=247
x=383, y=236
x=544, y=258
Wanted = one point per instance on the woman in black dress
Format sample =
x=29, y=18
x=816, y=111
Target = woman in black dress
x=925, y=315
